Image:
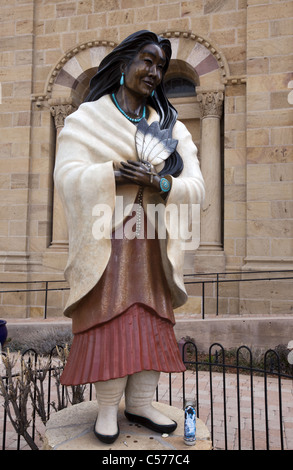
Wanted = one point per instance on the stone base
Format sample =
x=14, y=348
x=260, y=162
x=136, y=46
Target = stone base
x=72, y=429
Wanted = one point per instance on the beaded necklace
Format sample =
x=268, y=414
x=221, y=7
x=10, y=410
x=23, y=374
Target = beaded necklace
x=126, y=115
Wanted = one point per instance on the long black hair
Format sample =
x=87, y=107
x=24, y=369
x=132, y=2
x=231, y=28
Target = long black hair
x=107, y=81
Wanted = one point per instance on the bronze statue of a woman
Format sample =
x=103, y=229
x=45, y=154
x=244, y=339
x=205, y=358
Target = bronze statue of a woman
x=124, y=149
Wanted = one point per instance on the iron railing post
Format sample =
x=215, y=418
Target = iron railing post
x=46, y=300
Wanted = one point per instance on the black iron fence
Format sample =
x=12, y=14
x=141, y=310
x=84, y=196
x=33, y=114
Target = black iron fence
x=199, y=282
x=218, y=280
x=244, y=404
x=259, y=398
x=45, y=288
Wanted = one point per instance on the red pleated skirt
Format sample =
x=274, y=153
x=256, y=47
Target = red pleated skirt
x=134, y=341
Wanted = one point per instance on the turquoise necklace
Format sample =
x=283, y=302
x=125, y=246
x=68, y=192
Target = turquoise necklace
x=124, y=114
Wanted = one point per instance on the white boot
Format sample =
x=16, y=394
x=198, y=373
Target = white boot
x=139, y=394
x=109, y=394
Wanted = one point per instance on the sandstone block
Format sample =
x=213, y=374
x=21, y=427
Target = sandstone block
x=255, y=307
x=235, y=228
x=84, y=7
x=102, y=5
x=262, y=31
x=258, y=137
x=235, y=157
x=258, y=101
x=282, y=172
x=146, y=14
x=259, y=13
x=282, y=153
x=268, y=83
x=259, y=210
x=269, y=228
x=275, y=191
x=269, y=118
x=224, y=21
x=268, y=47
x=258, y=173
x=126, y=4
x=281, y=64
x=97, y=20
x=282, y=136
x=66, y=9
x=282, y=209
x=258, y=246
x=282, y=247
x=121, y=17
x=282, y=27
x=169, y=11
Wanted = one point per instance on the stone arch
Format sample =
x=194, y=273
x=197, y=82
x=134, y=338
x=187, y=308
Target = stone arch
x=71, y=75
x=71, y=72
x=208, y=63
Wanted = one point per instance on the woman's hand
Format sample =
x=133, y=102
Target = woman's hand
x=140, y=173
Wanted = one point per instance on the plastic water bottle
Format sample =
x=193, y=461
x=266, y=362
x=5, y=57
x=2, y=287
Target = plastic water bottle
x=189, y=424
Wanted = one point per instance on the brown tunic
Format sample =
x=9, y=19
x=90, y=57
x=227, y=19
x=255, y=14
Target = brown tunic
x=134, y=274
x=125, y=323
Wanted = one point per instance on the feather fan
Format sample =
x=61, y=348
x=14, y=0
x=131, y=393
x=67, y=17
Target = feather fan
x=154, y=144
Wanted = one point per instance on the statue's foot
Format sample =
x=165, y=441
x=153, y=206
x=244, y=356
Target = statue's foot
x=105, y=438
x=139, y=395
x=153, y=420
x=109, y=394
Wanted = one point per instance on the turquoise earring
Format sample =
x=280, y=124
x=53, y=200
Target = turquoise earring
x=122, y=79
x=153, y=92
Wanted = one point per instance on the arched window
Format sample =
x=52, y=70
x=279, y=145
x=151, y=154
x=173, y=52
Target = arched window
x=177, y=87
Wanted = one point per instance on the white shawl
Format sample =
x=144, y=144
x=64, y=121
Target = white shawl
x=95, y=136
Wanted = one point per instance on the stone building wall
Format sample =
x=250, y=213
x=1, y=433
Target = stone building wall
x=240, y=53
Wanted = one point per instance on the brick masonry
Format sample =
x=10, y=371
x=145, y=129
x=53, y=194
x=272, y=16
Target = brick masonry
x=243, y=46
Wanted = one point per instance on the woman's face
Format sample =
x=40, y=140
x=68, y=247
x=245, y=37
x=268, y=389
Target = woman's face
x=145, y=72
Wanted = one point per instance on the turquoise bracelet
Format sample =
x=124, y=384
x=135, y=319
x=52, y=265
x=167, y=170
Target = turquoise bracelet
x=165, y=185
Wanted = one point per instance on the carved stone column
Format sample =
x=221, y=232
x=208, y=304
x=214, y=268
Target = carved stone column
x=60, y=110
x=211, y=105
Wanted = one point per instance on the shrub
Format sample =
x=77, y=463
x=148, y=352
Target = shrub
x=42, y=341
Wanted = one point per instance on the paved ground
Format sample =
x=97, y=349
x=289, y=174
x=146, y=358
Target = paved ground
x=221, y=436
x=229, y=437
